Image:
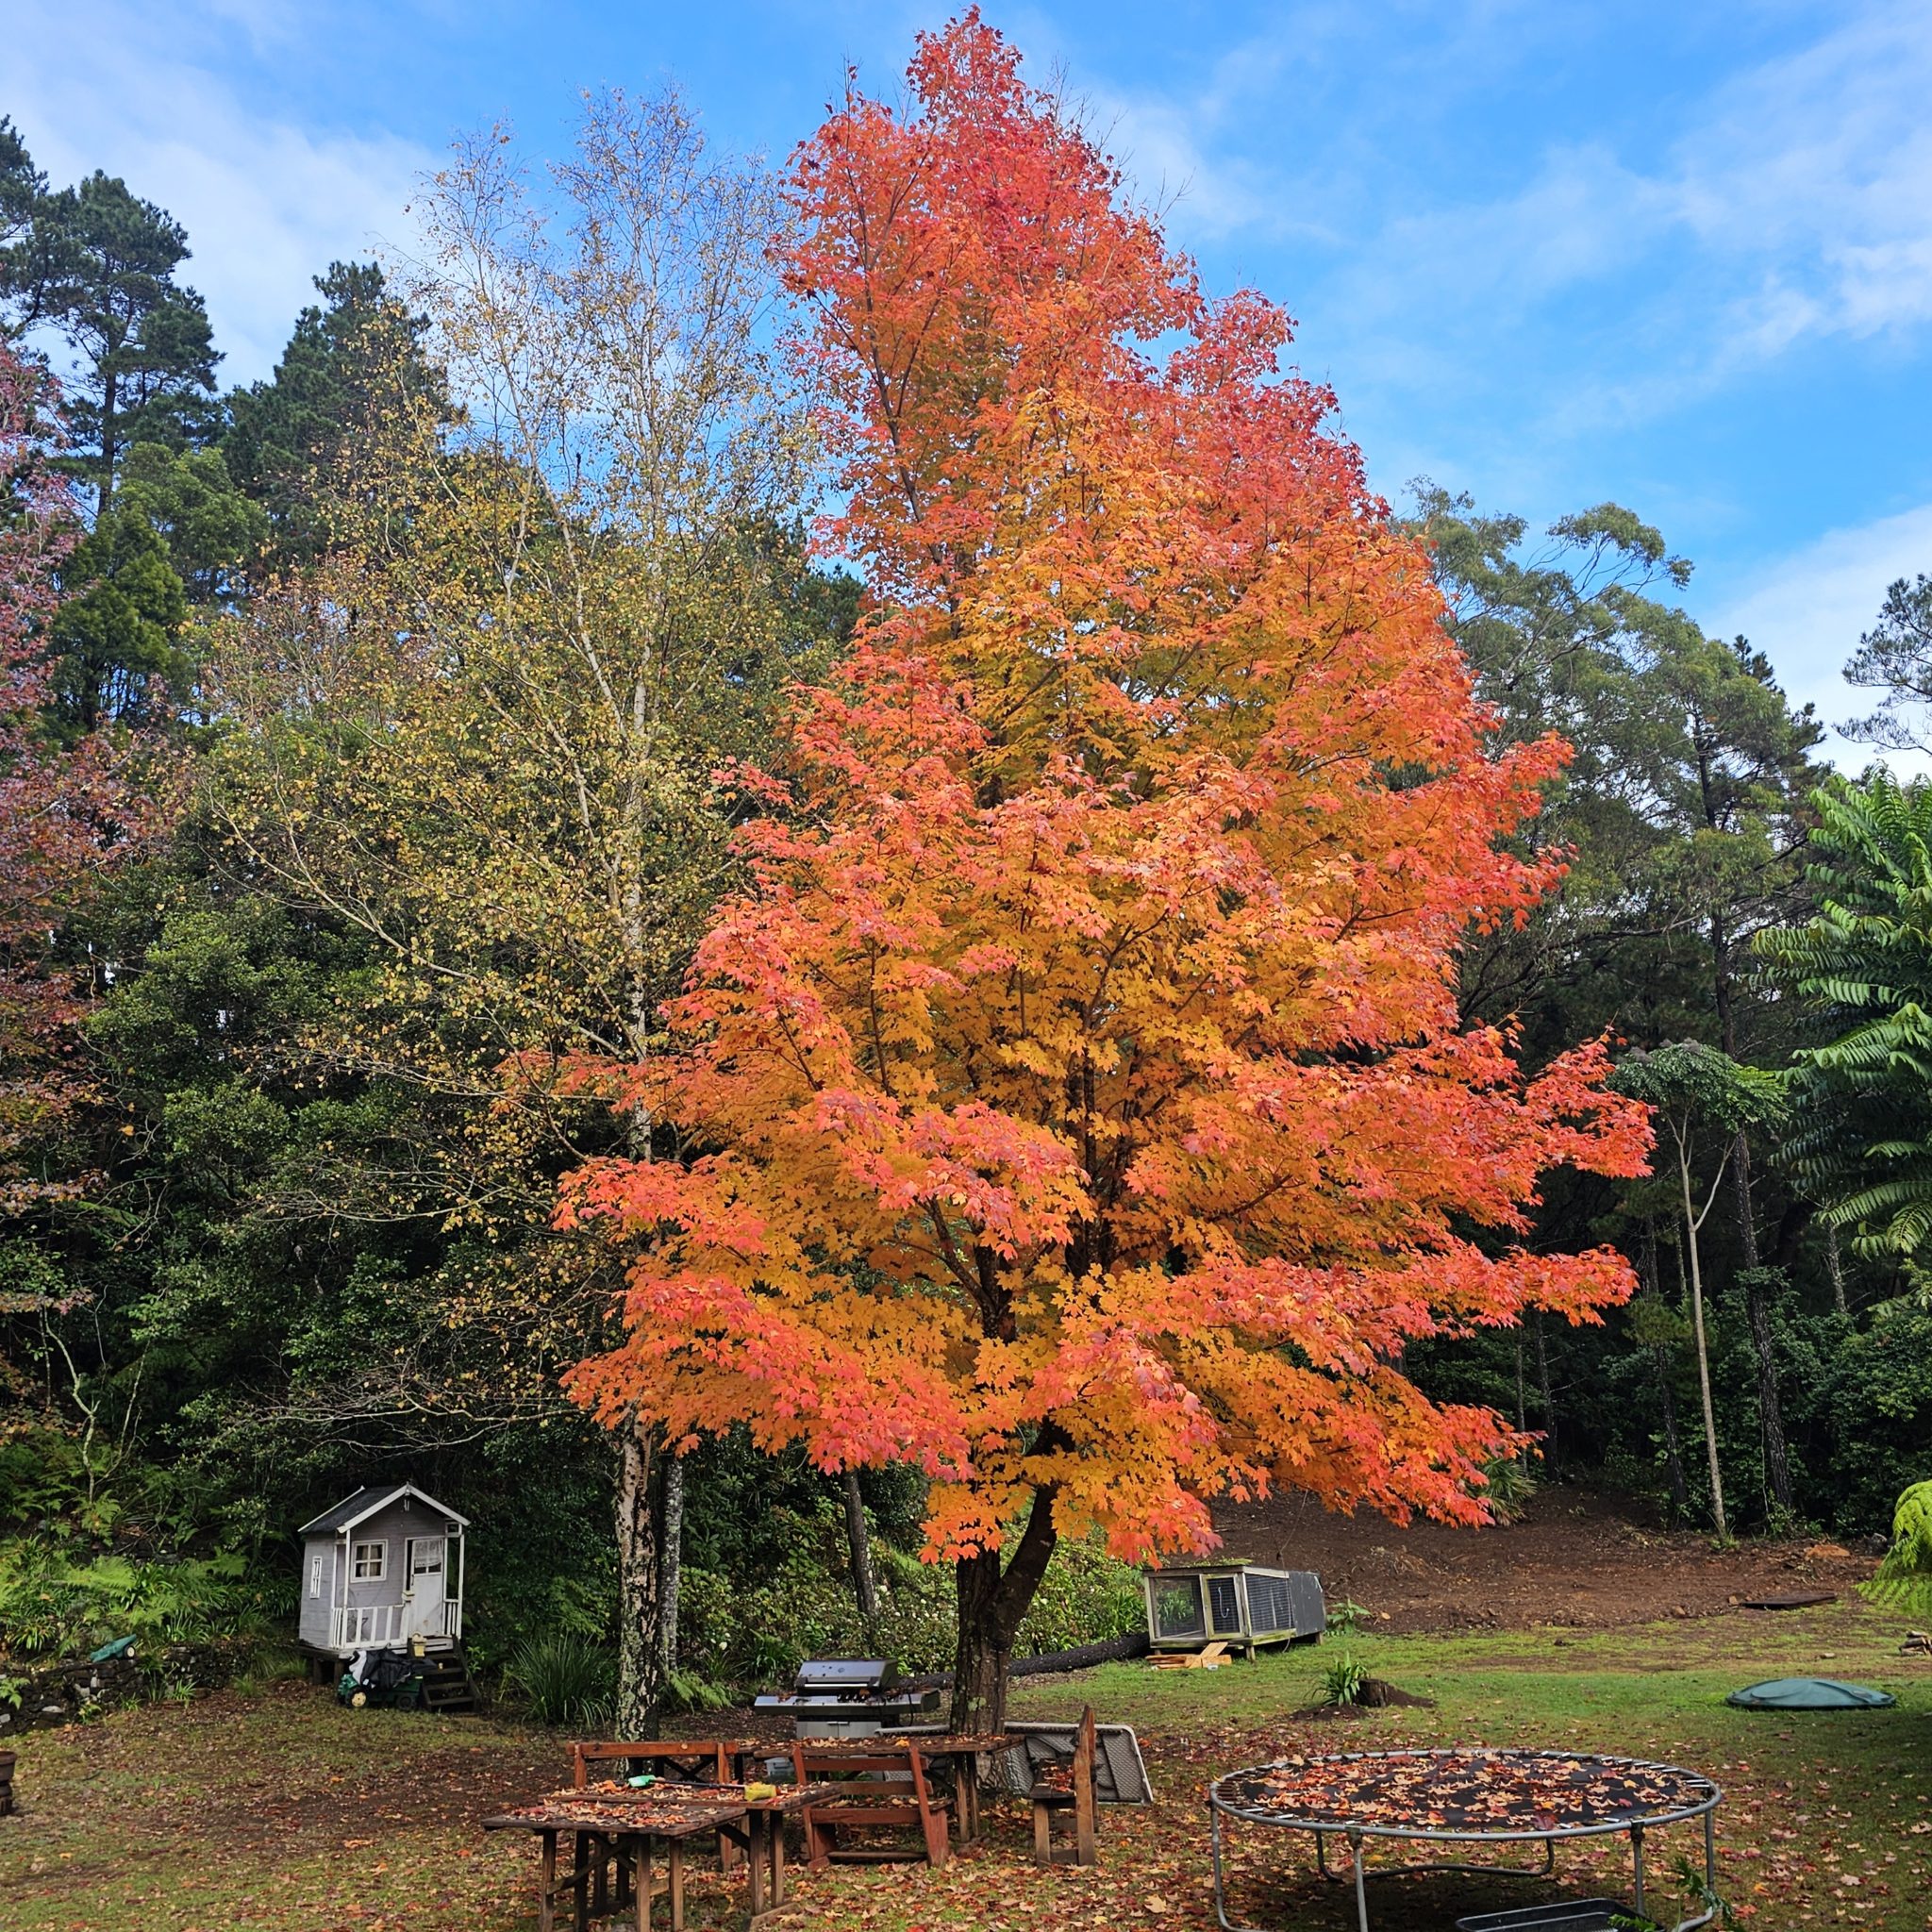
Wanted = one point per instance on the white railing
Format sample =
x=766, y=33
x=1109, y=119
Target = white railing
x=388, y=1627
x=371, y=1626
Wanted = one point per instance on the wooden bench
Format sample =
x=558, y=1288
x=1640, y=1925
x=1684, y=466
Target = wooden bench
x=886, y=1787
x=1075, y=1797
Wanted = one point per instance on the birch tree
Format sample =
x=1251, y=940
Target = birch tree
x=488, y=732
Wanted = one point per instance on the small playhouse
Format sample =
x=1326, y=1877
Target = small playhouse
x=383, y=1569
x=1233, y=1602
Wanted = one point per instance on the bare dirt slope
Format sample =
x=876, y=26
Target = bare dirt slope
x=1572, y=1559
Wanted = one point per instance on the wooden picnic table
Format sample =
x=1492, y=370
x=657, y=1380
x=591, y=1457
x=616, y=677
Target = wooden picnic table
x=961, y=1753
x=757, y=1827
x=608, y=1828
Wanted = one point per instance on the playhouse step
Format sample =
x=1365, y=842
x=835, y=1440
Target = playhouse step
x=448, y=1687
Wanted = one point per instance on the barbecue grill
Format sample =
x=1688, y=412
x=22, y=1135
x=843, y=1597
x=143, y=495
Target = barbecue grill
x=848, y=1697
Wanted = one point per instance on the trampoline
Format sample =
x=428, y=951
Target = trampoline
x=1468, y=1796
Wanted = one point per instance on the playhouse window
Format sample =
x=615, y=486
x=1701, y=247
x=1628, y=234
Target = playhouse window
x=315, y=1574
x=370, y=1562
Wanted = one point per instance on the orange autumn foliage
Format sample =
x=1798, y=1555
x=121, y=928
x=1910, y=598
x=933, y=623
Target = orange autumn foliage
x=1075, y=1098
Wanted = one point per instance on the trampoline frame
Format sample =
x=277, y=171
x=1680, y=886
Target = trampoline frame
x=1325, y=1827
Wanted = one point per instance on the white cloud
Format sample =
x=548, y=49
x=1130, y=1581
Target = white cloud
x=1792, y=202
x=267, y=204
x=1808, y=612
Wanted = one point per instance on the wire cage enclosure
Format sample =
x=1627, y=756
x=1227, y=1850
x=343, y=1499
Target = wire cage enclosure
x=1237, y=1602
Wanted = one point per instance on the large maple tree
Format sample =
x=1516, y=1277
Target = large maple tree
x=1075, y=1103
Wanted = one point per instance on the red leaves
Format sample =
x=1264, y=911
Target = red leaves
x=62, y=814
x=1080, y=1074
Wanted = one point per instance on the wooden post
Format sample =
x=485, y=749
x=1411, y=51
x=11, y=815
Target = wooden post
x=546, y=1885
x=642, y=1883
x=1084, y=1853
x=755, y=1825
x=675, y=1857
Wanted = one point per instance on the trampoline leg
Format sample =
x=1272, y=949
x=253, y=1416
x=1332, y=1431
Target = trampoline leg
x=1637, y=1868
x=1227, y=1925
x=1361, y=1889
x=1710, y=1850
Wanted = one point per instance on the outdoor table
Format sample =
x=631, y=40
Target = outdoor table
x=757, y=1826
x=1473, y=1795
x=962, y=1753
x=625, y=1828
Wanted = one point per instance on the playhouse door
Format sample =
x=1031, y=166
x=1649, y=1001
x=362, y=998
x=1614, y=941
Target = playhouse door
x=426, y=1557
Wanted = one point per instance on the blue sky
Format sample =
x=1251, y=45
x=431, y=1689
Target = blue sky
x=1675, y=255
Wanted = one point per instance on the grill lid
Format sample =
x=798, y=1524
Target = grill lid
x=846, y=1676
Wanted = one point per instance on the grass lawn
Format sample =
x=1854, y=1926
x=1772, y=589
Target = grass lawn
x=278, y=1809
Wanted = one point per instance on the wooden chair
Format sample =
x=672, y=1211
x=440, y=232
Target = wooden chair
x=889, y=1788
x=1076, y=1797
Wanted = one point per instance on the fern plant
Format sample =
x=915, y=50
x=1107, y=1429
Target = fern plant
x=1860, y=1127
x=1904, y=1581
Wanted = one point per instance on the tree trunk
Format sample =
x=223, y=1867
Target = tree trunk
x=640, y=1644
x=859, y=1547
x=992, y=1604
x=1835, y=1268
x=670, y=1560
x=1717, y=1481
x=1674, y=1455
x=1770, y=1419
x=1667, y=1398
x=111, y=397
x=1542, y=1377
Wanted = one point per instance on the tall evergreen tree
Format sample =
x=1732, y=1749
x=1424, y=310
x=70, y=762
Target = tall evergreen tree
x=1683, y=812
x=353, y=355
x=97, y=265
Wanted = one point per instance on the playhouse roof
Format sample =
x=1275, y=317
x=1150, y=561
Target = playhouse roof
x=366, y=1501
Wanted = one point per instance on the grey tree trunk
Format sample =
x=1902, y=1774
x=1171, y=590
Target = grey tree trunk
x=1674, y=1456
x=859, y=1547
x=1835, y=1267
x=1771, y=1417
x=640, y=1644
x=1690, y=1220
x=1667, y=1399
x=670, y=1560
x=1543, y=1376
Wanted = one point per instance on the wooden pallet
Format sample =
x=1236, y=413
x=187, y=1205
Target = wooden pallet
x=1210, y=1656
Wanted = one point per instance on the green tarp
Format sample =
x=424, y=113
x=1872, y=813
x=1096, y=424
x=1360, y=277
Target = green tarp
x=1809, y=1693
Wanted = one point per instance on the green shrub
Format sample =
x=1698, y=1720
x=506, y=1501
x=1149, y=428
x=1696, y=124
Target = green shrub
x=1345, y=1680
x=1085, y=1597
x=567, y=1679
x=760, y=1636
